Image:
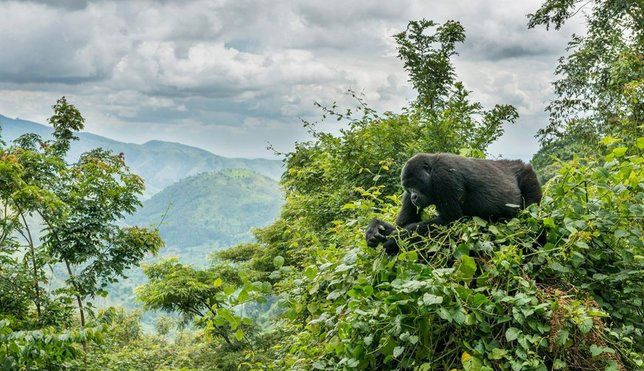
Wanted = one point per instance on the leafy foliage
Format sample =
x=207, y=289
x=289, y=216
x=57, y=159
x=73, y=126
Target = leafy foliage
x=45, y=348
x=422, y=59
x=600, y=83
x=475, y=295
x=480, y=295
x=54, y=213
x=209, y=296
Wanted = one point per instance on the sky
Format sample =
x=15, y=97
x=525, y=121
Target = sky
x=234, y=76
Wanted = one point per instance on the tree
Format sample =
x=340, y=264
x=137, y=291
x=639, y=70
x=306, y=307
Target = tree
x=27, y=179
x=80, y=205
x=98, y=192
x=206, y=295
x=328, y=173
x=601, y=80
x=474, y=295
x=421, y=59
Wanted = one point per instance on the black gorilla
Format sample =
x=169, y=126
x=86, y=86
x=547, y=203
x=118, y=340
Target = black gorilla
x=458, y=186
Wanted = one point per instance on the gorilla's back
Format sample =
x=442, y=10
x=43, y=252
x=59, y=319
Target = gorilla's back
x=491, y=186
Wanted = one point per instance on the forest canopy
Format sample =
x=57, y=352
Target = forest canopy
x=308, y=293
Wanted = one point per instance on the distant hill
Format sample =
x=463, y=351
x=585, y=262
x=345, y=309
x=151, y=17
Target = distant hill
x=199, y=215
x=159, y=163
x=211, y=210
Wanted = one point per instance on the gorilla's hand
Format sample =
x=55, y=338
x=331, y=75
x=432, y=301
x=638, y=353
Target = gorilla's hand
x=409, y=234
x=377, y=232
x=391, y=246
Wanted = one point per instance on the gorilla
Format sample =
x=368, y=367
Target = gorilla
x=458, y=186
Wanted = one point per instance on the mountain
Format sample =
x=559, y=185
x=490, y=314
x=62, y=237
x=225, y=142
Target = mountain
x=198, y=215
x=211, y=210
x=159, y=163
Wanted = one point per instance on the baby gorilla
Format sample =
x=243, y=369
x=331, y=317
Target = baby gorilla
x=458, y=186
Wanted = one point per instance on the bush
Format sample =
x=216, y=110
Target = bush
x=478, y=295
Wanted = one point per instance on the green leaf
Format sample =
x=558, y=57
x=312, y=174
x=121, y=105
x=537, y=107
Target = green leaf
x=412, y=256
x=465, y=268
x=479, y=221
x=608, y=140
x=470, y=363
x=218, y=282
x=310, y=272
x=398, y=351
x=497, y=353
x=586, y=325
x=430, y=299
x=619, y=151
x=368, y=340
x=512, y=333
x=549, y=222
x=559, y=364
x=349, y=206
x=229, y=290
x=445, y=314
x=367, y=290
x=562, y=337
x=556, y=266
x=278, y=261
x=595, y=350
x=243, y=296
x=342, y=268
x=458, y=314
x=239, y=334
x=353, y=363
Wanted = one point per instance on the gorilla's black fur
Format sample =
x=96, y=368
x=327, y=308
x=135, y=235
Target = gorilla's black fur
x=458, y=186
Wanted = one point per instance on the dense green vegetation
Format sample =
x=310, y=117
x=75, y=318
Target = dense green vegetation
x=599, y=85
x=80, y=206
x=309, y=293
x=246, y=198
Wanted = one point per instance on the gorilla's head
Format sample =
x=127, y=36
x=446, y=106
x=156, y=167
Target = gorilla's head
x=416, y=179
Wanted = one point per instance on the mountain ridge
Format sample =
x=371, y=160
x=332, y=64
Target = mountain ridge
x=160, y=163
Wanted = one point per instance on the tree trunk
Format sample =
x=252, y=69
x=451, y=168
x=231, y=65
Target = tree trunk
x=78, y=298
x=33, y=263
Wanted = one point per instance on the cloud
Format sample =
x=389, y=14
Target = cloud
x=230, y=75
x=65, y=4
x=48, y=45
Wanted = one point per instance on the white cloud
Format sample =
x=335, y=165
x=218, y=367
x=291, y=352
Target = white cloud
x=230, y=75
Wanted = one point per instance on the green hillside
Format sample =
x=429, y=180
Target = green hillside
x=159, y=163
x=222, y=207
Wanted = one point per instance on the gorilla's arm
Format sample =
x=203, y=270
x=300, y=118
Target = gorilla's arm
x=409, y=213
x=448, y=193
x=378, y=230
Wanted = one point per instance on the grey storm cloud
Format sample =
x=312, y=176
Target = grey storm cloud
x=66, y=4
x=229, y=76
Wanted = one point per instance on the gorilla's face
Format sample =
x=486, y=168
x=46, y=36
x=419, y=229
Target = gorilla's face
x=416, y=180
